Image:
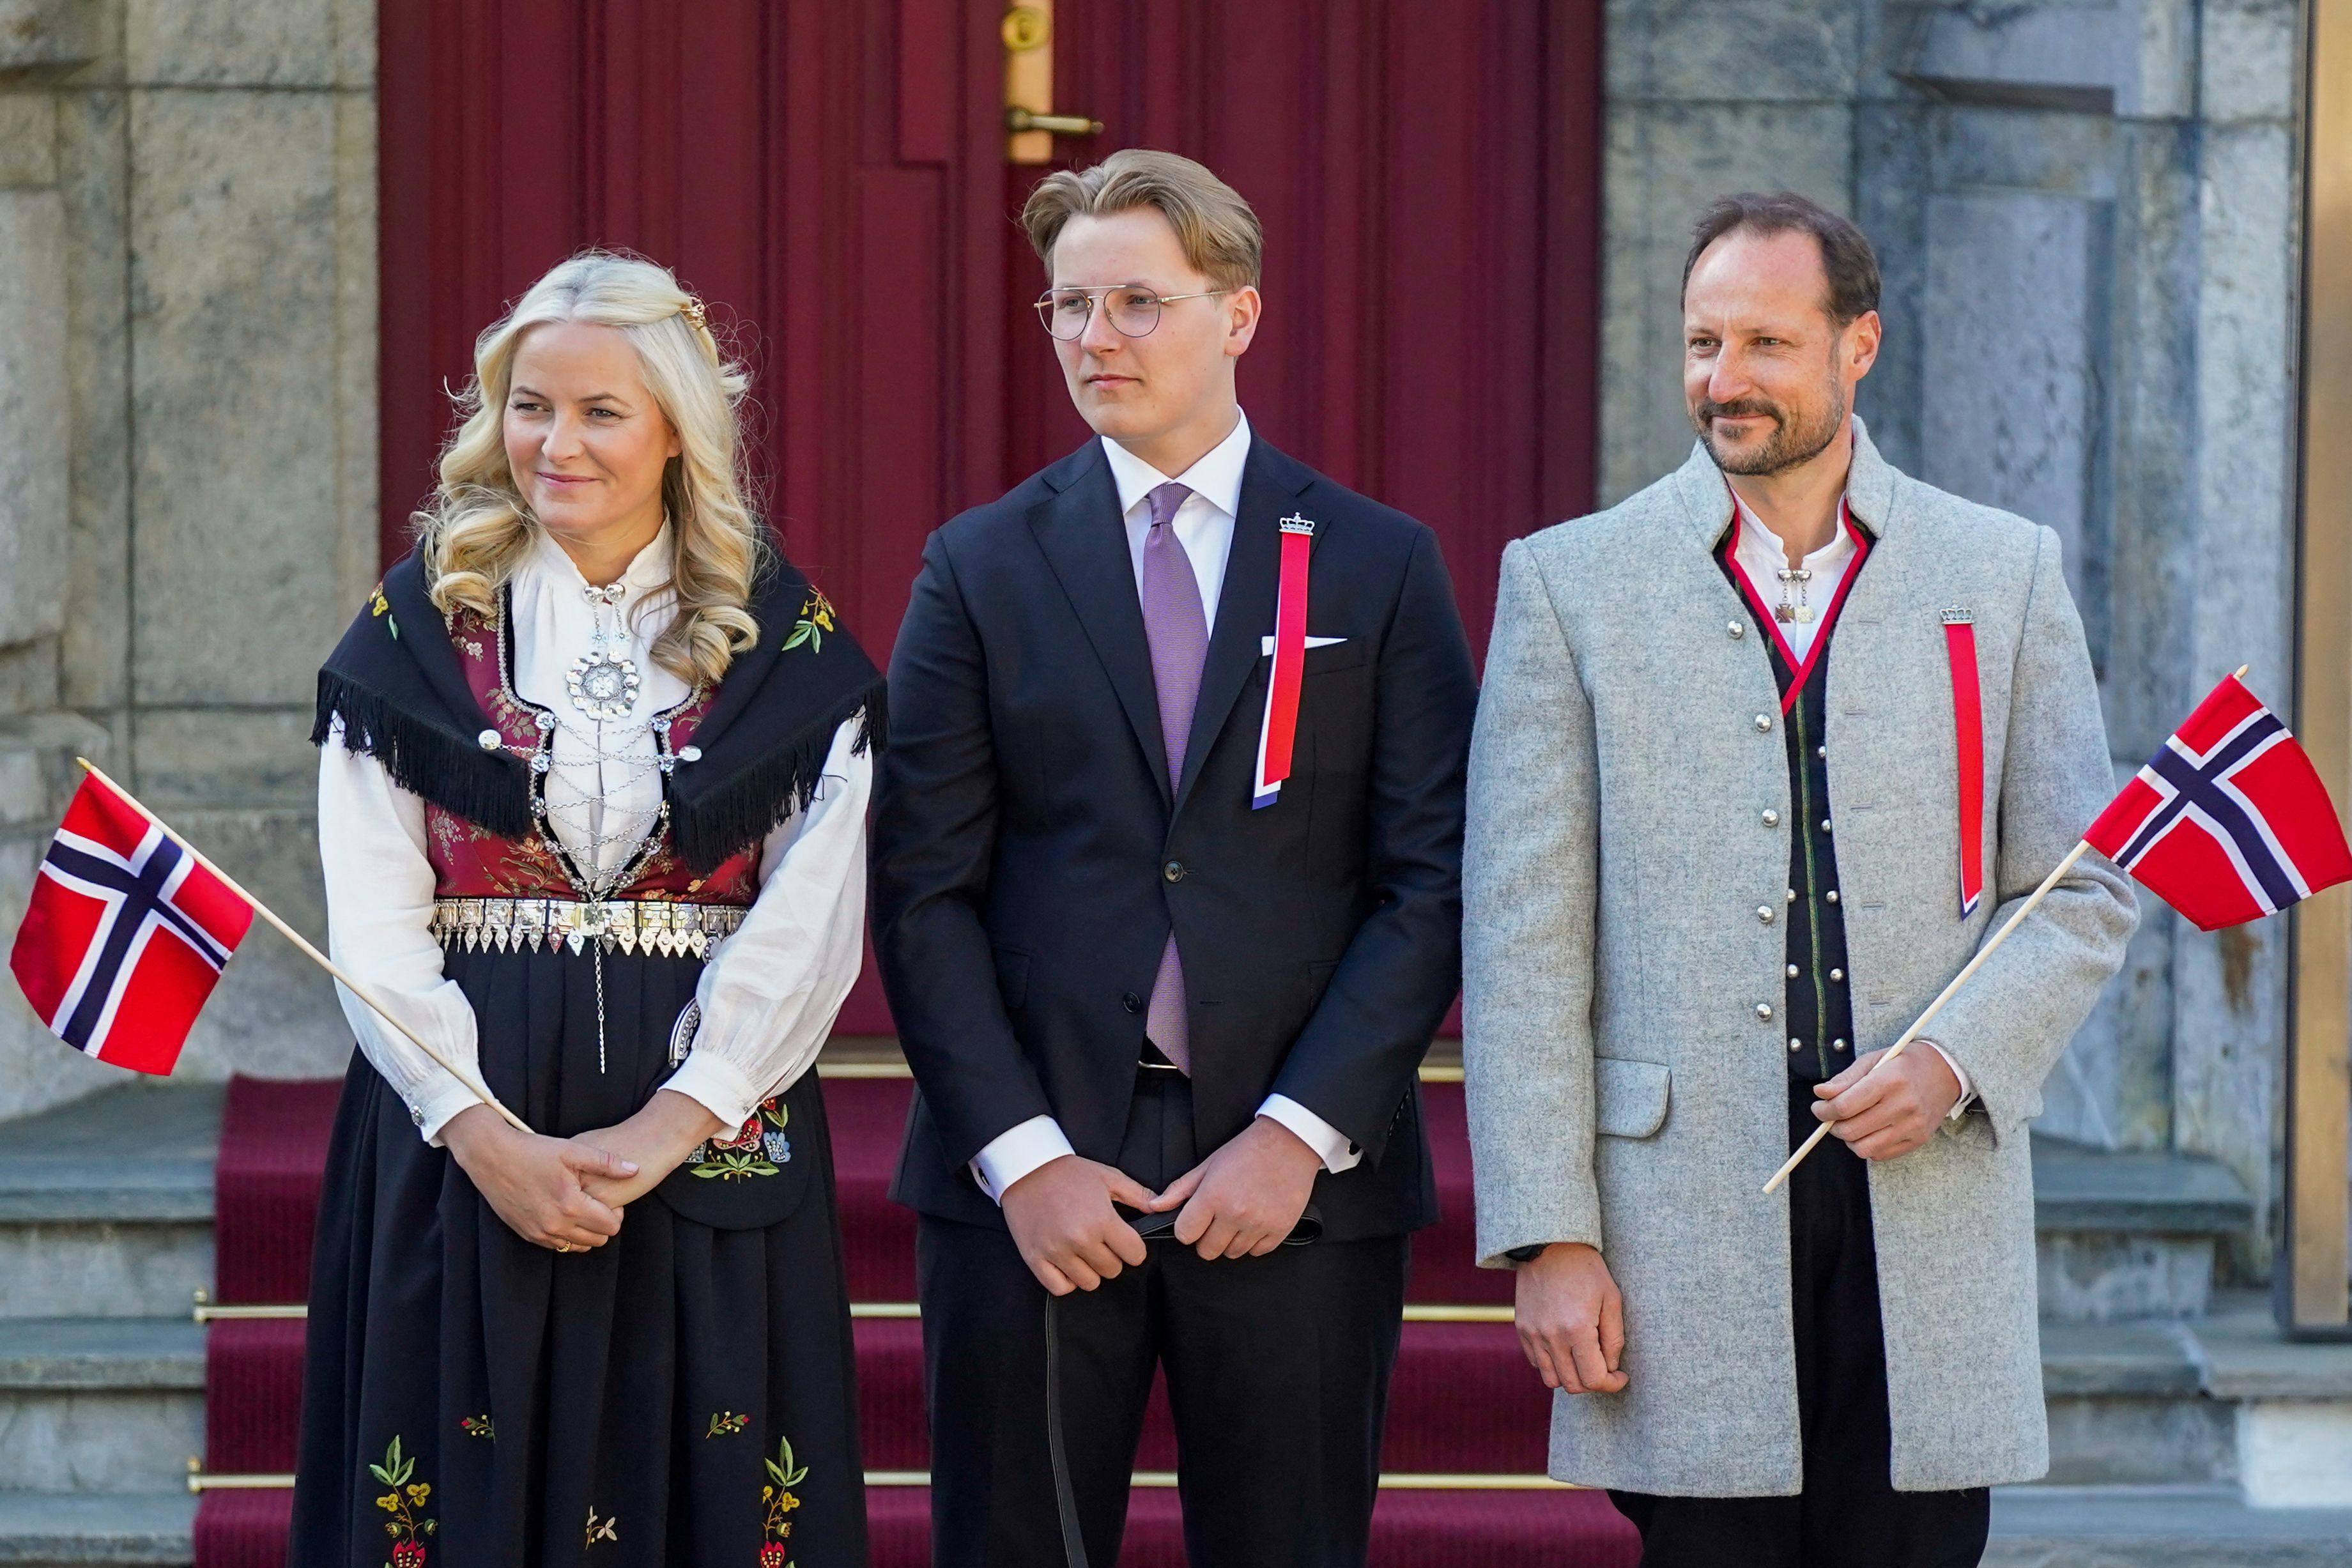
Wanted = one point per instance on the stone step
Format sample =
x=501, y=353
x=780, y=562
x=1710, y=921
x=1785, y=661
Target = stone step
x=2032, y=1527
x=2157, y=1527
x=100, y=1404
x=106, y=1204
x=57, y=1530
x=2123, y=1234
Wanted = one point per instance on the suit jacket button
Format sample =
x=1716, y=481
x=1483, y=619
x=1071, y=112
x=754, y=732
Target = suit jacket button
x=1131, y=1002
x=1771, y=819
x=1764, y=1010
x=1173, y=871
x=1764, y=913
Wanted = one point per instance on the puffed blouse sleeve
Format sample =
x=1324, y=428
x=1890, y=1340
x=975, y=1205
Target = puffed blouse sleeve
x=769, y=997
x=380, y=888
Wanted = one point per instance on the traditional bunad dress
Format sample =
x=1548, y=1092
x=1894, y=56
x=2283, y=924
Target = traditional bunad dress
x=585, y=880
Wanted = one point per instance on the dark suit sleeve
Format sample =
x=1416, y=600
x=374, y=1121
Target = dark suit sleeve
x=934, y=834
x=1355, y=1060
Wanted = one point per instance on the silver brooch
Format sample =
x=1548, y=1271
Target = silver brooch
x=603, y=687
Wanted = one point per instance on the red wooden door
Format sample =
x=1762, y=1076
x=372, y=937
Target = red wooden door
x=833, y=179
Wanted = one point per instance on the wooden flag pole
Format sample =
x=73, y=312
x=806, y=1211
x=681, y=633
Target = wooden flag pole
x=2081, y=849
x=298, y=940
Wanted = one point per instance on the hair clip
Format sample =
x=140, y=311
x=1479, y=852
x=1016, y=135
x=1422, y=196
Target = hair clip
x=692, y=310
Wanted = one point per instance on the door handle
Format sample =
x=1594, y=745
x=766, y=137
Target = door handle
x=1018, y=120
x=1030, y=122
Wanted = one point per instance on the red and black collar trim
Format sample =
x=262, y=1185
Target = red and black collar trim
x=1800, y=669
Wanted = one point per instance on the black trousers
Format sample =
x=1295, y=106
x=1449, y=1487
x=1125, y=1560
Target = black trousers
x=1277, y=1378
x=1849, y=1515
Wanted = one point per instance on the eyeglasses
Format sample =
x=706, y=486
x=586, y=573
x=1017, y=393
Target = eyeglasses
x=1133, y=310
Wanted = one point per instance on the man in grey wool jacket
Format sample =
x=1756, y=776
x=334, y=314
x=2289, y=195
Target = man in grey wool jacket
x=1752, y=745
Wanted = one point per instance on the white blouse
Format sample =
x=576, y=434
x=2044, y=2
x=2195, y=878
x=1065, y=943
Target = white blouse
x=769, y=996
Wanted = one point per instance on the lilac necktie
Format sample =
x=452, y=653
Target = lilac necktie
x=1177, y=631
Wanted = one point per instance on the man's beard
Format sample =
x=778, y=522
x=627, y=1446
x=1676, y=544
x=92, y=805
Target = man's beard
x=1786, y=447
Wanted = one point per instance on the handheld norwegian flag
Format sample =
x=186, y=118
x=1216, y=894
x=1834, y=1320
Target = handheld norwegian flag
x=125, y=934
x=2228, y=821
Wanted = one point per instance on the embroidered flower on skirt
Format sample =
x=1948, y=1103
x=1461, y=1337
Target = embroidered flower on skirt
x=758, y=1148
x=782, y=1477
x=405, y=1502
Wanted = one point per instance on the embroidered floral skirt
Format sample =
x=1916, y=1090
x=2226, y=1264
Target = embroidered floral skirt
x=684, y=1395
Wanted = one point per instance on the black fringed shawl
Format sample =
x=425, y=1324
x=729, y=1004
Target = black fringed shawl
x=397, y=686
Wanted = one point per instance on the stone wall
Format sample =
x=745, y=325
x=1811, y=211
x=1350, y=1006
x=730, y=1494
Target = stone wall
x=2087, y=220
x=187, y=473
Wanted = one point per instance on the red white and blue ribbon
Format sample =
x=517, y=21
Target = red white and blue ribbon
x=1279, y=729
x=1968, y=724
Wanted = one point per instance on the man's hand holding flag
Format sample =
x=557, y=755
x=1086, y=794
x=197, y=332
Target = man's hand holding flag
x=2229, y=822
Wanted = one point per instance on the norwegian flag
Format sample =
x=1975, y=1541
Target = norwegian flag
x=124, y=936
x=2228, y=821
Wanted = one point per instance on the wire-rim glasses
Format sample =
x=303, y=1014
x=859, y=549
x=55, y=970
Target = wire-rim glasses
x=1133, y=309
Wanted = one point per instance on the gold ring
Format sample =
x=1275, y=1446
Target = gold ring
x=562, y=1246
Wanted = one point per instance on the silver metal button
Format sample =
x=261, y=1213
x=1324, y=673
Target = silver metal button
x=1831, y=895
x=1771, y=819
x=1825, y=824
x=1792, y=896
x=1736, y=630
x=1764, y=913
x=417, y=1116
x=1795, y=1045
x=1820, y=751
x=1763, y=723
x=689, y=753
x=1792, y=972
x=1764, y=1010
x=489, y=740
x=1837, y=1045
x=1837, y=975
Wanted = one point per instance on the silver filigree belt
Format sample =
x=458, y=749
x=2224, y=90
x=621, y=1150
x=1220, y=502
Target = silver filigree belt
x=645, y=925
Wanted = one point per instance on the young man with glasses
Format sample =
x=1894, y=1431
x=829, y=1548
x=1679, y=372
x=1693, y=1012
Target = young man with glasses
x=1164, y=996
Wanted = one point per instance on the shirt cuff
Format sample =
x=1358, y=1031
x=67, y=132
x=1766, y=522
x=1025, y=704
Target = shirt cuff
x=717, y=1086
x=435, y=1108
x=1330, y=1144
x=1967, y=1090
x=1013, y=1153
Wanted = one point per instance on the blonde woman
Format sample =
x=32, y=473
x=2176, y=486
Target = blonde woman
x=592, y=806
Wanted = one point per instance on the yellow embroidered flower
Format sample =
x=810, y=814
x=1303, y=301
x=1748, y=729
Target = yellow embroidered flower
x=787, y=1503
x=419, y=1492
x=389, y=1503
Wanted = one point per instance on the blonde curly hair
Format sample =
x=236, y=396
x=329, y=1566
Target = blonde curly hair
x=477, y=529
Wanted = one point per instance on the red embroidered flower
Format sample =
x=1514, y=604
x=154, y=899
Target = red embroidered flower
x=772, y=1555
x=749, y=1135
x=407, y=1554
x=746, y=1136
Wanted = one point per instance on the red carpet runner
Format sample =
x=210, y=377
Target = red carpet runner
x=1463, y=1401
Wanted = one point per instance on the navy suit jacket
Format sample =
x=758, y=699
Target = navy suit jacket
x=1029, y=855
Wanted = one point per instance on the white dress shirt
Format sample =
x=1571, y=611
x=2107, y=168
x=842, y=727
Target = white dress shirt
x=768, y=996
x=1204, y=527
x=1761, y=557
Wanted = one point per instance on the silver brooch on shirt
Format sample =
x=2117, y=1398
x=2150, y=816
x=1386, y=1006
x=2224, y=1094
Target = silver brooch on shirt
x=604, y=683
x=1799, y=610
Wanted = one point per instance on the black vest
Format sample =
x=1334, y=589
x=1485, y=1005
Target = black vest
x=1817, y=1009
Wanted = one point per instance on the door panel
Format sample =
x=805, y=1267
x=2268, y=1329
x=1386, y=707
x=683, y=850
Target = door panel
x=833, y=178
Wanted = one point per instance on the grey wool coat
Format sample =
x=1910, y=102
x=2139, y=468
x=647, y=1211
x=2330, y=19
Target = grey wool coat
x=1623, y=1090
